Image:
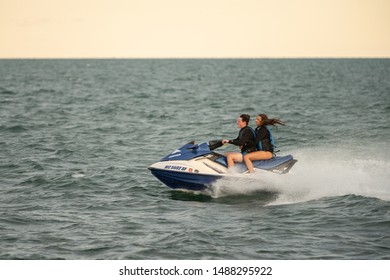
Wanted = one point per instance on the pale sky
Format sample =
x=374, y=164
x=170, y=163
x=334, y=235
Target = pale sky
x=194, y=28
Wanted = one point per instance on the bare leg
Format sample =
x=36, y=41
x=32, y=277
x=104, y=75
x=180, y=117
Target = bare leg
x=259, y=155
x=232, y=158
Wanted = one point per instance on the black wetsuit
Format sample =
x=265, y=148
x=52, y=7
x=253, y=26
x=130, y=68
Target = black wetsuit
x=263, y=136
x=245, y=139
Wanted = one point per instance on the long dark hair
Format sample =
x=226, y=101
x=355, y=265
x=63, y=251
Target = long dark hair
x=266, y=121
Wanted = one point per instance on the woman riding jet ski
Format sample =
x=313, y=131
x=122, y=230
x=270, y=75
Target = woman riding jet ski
x=196, y=166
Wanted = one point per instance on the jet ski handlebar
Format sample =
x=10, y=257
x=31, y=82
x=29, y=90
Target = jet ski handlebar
x=214, y=144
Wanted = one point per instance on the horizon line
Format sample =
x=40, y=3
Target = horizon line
x=198, y=58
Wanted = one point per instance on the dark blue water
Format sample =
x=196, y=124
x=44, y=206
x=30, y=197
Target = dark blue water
x=77, y=136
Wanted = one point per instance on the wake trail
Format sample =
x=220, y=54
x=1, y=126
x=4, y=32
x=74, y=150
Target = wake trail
x=317, y=174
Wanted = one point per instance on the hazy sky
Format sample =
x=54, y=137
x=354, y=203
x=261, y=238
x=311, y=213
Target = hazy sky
x=194, y=28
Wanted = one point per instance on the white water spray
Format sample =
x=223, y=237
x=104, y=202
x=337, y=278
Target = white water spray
x=318, y=173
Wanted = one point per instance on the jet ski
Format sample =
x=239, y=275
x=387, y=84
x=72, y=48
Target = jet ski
x=196, y=167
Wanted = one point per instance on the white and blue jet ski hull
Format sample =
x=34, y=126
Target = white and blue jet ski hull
x=186, y=181
x=197, y=167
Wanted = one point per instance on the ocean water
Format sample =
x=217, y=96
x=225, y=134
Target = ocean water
x=77, y=137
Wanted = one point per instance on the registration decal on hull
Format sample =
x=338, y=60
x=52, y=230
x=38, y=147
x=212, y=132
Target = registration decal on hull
x=175, y=167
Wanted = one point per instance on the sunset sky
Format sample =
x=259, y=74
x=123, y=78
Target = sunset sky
x=194, y=28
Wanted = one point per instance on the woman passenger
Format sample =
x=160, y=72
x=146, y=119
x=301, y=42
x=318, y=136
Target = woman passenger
x=263, y=141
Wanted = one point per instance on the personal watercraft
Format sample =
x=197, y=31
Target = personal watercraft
x=196, y=167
